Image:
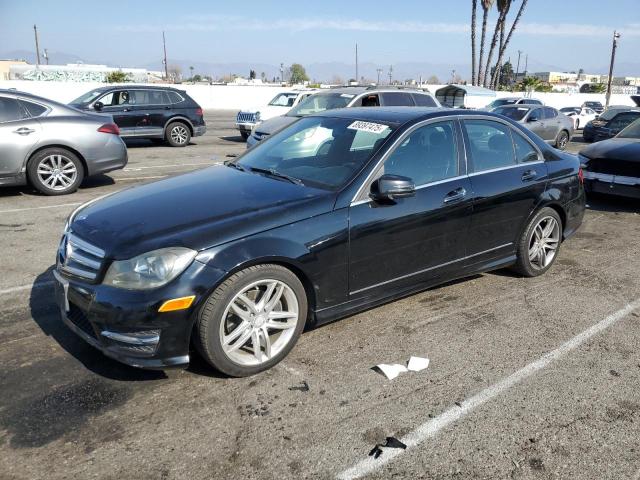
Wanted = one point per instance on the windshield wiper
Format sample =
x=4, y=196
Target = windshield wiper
x=274, y=173
x=232, y=164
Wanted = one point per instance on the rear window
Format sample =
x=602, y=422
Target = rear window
x=397, y=99
x=424, y=100
x=34, y=109
x=550, y=112
x=321, y=102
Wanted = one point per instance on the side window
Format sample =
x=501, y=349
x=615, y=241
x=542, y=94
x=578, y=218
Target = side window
x=490, y=145
x=535, y=102
x=139, y=97
x=525, y=152
x=397, y=99
x=10, y=110
x=550, y=112
x=107, y=100
x=427, y=155
x=423, y=100
x=370, y=100
x=33, y=109
x=535, y=115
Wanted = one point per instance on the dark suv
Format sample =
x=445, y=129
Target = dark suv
x=156, y=113
x=610, y=123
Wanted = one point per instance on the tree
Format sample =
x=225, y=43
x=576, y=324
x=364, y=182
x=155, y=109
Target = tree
x=474, y=7
x=117, y=76
x=175, y=73
x=196, y=78
x=503, y=10
x=298, y=74
x=433, y=80
x=263, y=77
x=191, y=70
x=505, y=76
x=336, y=80
x=252, y=74
x=503, y=47
x=486, y=6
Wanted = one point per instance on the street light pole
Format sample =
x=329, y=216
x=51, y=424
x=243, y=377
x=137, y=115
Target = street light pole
x=379, y=70
x=166, y=67
x=35, y=31
x=616, y=36
x=357, y=77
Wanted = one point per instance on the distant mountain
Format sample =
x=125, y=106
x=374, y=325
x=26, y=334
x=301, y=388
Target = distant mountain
x=55, y=58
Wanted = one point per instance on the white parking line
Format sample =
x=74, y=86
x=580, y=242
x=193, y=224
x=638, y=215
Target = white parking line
x=25, y=287
x=41, y=208
x=432, y=427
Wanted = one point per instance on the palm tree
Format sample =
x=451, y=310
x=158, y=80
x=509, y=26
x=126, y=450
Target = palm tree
x=503, y=47
x=486, y=6
x=474, y=5
x=503, y=10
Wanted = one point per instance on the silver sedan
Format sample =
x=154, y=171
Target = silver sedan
x=552, y=126
x=52, y=146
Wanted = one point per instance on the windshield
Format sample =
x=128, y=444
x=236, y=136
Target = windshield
x=593, y=104
x=632, y=131
x=87, y=97
x=609, y=114
x=321, y=102
x=517, y=113
x=320, y=151
x=284, y=100
x=502, y=101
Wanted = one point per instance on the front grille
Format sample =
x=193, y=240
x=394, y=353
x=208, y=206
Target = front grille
x=614, y=167
x=246, y=117
x=79, y=258
x=80, y=320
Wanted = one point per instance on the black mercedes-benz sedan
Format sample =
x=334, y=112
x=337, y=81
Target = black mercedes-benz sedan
x=613, y=166
x=338, y=212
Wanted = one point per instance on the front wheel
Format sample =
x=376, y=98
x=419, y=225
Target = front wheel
x=55, y=171
x=562, y=139
x=540, y=243
x=252, y=320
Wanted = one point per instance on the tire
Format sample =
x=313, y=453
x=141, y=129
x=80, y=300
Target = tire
x=244, y=135
x=562, y=139
x=55, y=171
x=178, y=134
x=530, y=263
x=238, y=326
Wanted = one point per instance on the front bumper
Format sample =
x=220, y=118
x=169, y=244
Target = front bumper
x=612, y=184
x=199, y=130
x=245, y=126
x=125, y=324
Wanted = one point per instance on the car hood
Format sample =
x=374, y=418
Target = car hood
x=271, y=126
x=267, y=112
x=198, y=210
x=627, y=149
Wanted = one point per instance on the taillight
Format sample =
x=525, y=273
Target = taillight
x=110, y=128
x=199, y=112
x=581, y=175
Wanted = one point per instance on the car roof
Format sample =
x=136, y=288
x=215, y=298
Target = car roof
x=135, y=87
x=372, y=89
x=524, y=105
x=398, y=115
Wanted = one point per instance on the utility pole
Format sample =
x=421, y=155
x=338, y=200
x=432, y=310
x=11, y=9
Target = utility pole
x=35, y=31
x=616, y=36
x=357, y=77
x=281, y=72
x=379, y=70
x=166, y=67
x=526, y=64
x=46, y=56
x=453, y=76
x=390, y=73
x=518, y=65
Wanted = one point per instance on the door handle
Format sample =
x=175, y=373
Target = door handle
x=126, y=110
x=529, y=175
x=24, y=131
x=455, y=195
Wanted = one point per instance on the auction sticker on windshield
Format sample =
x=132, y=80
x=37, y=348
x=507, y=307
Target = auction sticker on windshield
x=368, y=126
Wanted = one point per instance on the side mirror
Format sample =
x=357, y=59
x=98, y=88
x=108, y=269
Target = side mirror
x=390, y=187
x=98, y=106
x=533, y=118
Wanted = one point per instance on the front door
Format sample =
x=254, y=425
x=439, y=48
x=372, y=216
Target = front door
x=18, y=135
x=535, y=123
x=118, y=104
x=407, y=240
x=508, y=177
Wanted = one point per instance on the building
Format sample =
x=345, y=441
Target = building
x=73, y=72
x=5, y=67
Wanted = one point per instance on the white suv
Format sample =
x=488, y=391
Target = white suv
x=281, y=104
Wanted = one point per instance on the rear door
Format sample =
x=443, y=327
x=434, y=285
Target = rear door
x=508, y=177
x=19, y=133
x=150, y=107
x=552, y=123
x=401, y=242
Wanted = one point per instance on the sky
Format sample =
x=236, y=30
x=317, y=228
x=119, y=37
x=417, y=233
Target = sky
x=572, y=34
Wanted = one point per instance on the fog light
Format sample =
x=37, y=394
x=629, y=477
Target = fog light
x=174, y=304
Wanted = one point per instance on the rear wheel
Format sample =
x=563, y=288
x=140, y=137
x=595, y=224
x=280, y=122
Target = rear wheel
x=252, y=320
x=178, y=134
x=562, y=139
x=540, y=243
x=55, y=171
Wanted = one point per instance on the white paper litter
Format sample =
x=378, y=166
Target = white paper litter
x=391, y=371
x=417, y=363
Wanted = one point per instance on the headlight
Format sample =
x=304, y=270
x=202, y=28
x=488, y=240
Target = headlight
x=149, y=270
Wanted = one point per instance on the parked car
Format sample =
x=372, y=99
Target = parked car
x=156, y=113
x=580, y=115
x=246, y=120
x=613, y=166
x=341, y=98
x=552, y=126
x=609, y=123
x=54, y=147
x=240, y=257
x=595, y=106
x=504, y=101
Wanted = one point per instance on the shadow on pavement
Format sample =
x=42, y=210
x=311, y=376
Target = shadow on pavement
x=612, y=203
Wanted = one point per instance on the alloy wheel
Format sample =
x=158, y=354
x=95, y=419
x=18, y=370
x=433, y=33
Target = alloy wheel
x=563, y=139
x=259, y=322
x=57, y=172
x=179, y=134
x=543, y=242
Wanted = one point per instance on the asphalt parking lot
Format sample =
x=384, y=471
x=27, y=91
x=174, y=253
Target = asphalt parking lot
x=529, y=378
